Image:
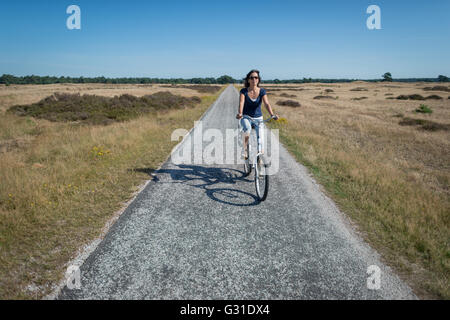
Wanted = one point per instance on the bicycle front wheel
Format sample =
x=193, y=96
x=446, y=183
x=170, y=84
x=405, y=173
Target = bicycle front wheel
x=247, y=165
x=261, y=178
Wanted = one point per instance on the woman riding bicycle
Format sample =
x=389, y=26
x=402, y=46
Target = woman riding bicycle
x=250, y=108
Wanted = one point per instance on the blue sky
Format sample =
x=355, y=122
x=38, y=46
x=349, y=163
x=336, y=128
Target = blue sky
x=283, y=39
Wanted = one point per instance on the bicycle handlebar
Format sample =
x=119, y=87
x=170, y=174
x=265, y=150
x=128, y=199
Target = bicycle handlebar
x=268, y=119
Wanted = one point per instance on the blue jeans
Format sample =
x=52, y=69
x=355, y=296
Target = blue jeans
x=246, y=127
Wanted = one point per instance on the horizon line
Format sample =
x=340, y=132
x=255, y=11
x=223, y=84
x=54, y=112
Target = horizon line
x=212, y=77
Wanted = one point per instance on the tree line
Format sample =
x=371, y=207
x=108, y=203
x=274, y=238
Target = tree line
x=8, y=79
x=33, y=79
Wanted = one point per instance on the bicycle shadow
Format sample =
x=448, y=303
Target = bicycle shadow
x=205, y=178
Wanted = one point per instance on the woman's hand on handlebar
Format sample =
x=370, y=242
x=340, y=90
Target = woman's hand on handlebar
x=275, y=117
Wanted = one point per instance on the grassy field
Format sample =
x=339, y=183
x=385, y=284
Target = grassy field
x=385, y=162
x=61, y=182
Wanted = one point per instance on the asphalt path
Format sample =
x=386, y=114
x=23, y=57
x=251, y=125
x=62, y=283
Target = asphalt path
x=197, y=231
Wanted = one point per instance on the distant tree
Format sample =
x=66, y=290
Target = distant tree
x=276, y=81
x=442, y=78
x=387, y=77
x=225, y=79
x=8, y=79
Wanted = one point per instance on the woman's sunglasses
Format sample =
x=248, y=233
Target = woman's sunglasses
x=254, y=78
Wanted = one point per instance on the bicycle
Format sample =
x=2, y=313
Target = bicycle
x=259, y=164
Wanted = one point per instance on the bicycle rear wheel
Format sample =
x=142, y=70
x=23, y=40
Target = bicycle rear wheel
x=261, y=178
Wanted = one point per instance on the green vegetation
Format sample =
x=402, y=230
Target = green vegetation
x=442, y=78
x=289, y=103
x=323, y=97
x=360, y=98
x=92, y=109
x=424, y=124
x=434, y=97
x=285, y=95
x=418, y=97
x=8, y=79
x=387, y=77
x=437, y=88
x=424, y=109
x=225, y=80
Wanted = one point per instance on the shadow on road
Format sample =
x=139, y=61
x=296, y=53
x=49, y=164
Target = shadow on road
x=206, y=178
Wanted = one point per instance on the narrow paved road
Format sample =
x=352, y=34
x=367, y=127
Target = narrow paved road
x=197, y=232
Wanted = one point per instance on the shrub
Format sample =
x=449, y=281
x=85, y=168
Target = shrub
x=434, y=97
x=360, y=98
x=411, y=97
x=359, y=89
x=288, y=95
x=288, y=103
x=323, y=97
x=424, y=124
x=416, y=97
x=437, y=88
x=424, y=109
x=93, y=109
x=280, y=121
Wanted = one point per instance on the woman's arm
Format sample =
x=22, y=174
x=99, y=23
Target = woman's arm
x=267, y=104
x=241, y=106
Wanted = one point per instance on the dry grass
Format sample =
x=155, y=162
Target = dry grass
x=391, y=179
x=202, y=88
x=60, y=182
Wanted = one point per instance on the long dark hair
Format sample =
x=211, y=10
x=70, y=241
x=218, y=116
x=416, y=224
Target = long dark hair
x=246, y=80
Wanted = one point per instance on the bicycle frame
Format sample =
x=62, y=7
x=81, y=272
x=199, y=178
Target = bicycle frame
x=259, y=164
